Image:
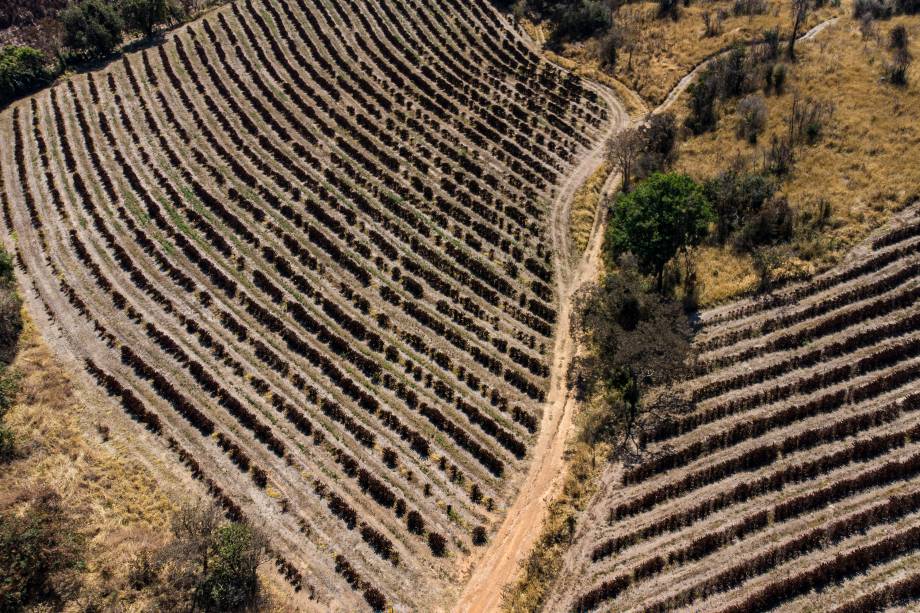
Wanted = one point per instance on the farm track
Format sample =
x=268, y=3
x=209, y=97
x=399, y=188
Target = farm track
x=323, y=288
x=500, y=562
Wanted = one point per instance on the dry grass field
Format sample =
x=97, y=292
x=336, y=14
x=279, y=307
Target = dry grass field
x=863, y=166
x=116, y=500
x=663, y=50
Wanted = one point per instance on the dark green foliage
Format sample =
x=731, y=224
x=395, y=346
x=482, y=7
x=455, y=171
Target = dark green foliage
x=580, y=20
x=664, y=215
x=10, y=314
x=22, y=69
x=39, y=552
x=479, y=535
x=230, y=582
x=143, y=16
x=736, y=194
x=92, y=28
x=703, y=93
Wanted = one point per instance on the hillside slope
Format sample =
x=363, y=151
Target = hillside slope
x=304, y=245
x=791, y=480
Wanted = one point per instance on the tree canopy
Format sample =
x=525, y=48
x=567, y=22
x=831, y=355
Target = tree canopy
x=92, y=28
x=664, y=215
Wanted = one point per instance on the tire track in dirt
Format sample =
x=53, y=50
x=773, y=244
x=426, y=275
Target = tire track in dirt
x=500, y=561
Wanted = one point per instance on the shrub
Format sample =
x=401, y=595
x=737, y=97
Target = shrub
x=7, y=444
x=876, y=9
x=898, y=42
x=774, y=223
x=752, y=117
x=712, y=23
x=659, y=136
x=771, y=43
x=749, y=7
x=664, y=215
x=702, y=117
x=415, y=523
x=479, y=535
x=779, y=159
x=609, y=49
x=39, y=553
x=669, y=8
x=736, y=194
x=807, y=119
x=779, y=78
x=22, y=69
x=230, y=582
x=92, y=28
x=437, y=543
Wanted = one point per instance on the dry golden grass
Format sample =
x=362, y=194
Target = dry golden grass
x=120, y=506
x=865, y=165
x=584, y=207
x=665, y=50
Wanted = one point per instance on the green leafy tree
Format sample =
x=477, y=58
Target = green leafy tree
x=664, y=215
x=143, y=16
x=92, y=28
x=22, y=69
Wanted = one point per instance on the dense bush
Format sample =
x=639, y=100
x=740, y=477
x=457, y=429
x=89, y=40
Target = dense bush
x=39, y=553
x=210, y=564
x=626, y=329
x=143, y=16
x=580, y=20
x=92, y=28
x=735, y=195
x=752, y=117
x=22, y=69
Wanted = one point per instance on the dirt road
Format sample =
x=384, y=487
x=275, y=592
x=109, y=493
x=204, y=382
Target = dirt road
x=499, y=563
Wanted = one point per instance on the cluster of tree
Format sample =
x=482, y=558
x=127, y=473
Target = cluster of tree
x=635, y=339
x=91, y=29
x=571, y=19
x=22, y=69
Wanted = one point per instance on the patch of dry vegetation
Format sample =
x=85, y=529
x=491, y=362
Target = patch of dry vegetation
x=655, y=52
x=542, y=565
x=863, y=166
x=584, y=207
x=112, y=500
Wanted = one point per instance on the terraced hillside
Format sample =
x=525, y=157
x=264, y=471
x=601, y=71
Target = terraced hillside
x=792, y=480
x=305, y=245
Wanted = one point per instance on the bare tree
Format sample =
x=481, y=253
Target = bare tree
x=799, y=13
x=623, y=150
